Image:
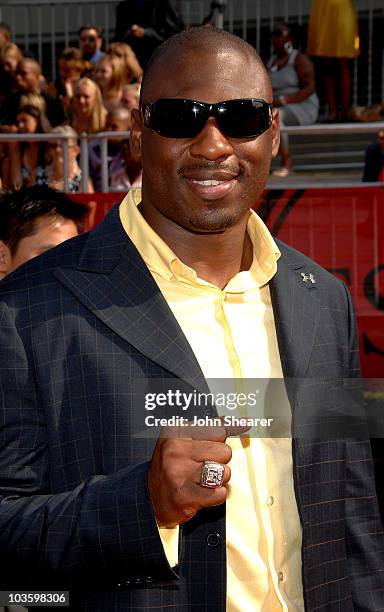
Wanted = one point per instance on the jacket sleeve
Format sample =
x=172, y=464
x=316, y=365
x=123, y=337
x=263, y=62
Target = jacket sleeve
x=364, y=530
x=104, y=527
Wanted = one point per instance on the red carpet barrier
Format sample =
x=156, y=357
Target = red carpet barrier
x=340, y=228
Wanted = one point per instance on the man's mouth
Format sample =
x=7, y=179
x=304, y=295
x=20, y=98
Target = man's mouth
x=208, y=183
x=211, y=185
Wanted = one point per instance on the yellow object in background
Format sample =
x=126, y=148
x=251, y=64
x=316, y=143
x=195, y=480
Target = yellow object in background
x=333, y=29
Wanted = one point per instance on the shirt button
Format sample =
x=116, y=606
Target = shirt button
x=270, y=501
x=280, y=576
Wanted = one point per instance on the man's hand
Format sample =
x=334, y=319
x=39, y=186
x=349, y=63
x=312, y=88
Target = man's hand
x=175, y=471
x=136, y=31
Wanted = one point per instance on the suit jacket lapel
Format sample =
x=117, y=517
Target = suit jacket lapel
x=113, y=282
x=296, y=308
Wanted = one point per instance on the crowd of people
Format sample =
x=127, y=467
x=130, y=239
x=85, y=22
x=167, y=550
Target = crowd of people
x=94, y=91
x=95, y=83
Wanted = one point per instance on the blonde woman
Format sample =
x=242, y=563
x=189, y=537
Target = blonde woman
x=55, y=161
x=133, y=70
x=109, y=75
x=10, y=55
x=87, y=112
x=130, y=98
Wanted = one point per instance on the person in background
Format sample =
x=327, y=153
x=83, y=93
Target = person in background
x=72, y=67
x=87, y=112
x=33, y=220
x=131, y=96
x=144, y=24
x=132, y=164
x=5, y=34
x=118, y=120
x=28, y=81
x=10, y=56
x=374, y=160
x=55, y=161
x=27, y=159
x=217, y=9
x=110, y=77
x=293, y=81
x=333, y=38
x=90, y=43
x=133, y=70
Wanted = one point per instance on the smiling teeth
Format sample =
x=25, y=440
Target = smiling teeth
x=208, y=183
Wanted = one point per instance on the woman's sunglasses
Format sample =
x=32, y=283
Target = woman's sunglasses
x=178, y=118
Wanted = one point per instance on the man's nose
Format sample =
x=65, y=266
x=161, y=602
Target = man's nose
x=211, y=143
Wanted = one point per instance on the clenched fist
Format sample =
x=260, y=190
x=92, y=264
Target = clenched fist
x=175, y=471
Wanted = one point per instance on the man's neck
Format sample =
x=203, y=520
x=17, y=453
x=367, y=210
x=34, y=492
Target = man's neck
x=215, y=257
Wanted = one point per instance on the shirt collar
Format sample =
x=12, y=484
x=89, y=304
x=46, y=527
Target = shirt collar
x=160, y=258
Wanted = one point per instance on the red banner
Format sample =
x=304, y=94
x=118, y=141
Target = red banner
x=340, y=228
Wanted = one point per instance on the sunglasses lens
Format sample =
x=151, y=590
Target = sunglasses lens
x=244, y=118
x=174, y=118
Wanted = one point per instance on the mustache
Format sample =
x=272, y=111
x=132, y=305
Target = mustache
x=210, y=165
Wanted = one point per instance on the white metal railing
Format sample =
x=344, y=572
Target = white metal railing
x=370, y=127
x=310, y=130
x=56, y=22
x=84, y=156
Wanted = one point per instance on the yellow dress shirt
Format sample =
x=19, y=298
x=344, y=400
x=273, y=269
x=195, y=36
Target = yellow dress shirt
x=232, y=334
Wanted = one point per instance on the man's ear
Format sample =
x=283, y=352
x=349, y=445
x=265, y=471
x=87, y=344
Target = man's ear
x=275, y=131
x=5, y=259
x=135, y=135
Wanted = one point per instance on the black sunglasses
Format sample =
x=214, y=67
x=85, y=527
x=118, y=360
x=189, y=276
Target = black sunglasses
x=178, y=118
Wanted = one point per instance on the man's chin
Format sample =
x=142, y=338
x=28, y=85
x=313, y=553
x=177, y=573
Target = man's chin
x=216, y=223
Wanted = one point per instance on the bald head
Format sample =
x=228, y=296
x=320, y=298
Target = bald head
x=28, y=75
x=118, y=120
x=195, y=44
x=120, y=113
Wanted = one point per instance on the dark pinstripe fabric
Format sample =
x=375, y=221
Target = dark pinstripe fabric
x=76, y=325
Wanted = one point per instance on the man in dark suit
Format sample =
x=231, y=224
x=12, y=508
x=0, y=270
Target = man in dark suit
x=184, y=285
x=145, y=24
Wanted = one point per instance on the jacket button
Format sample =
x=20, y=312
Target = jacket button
x=213, y=539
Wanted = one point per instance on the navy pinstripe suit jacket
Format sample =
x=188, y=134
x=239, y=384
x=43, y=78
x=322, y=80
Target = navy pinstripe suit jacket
x=79, y=322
